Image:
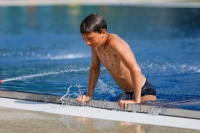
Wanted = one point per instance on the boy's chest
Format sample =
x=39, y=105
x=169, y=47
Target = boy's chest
x=108, y=58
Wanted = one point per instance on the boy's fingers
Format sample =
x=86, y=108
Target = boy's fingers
x=125, y=105
x=83, y=99
x=79, y=99
x=87, y=98
x=121, y=104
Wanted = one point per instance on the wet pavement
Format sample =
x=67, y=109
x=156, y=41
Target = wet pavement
x=23, y=121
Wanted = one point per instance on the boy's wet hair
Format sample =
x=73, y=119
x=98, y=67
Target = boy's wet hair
x=92, y=23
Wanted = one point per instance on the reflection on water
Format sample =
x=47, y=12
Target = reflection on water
x=41, y=50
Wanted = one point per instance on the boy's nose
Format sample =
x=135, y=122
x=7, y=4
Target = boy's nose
x=87, y=42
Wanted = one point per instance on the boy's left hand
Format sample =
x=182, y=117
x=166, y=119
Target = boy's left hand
x=124, y=103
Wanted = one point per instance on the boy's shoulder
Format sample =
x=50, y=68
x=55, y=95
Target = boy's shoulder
x=113, y=39
x=112, y=36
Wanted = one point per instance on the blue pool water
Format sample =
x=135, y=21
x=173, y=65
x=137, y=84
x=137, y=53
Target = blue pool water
x=41, y=50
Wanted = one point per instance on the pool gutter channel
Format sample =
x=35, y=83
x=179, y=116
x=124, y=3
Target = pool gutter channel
x=139, y=108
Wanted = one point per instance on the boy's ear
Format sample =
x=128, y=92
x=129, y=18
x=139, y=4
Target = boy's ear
x=103, y=31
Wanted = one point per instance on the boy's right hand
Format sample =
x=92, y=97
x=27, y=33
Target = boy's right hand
x=84, y=99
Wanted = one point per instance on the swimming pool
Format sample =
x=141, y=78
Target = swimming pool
x=41, y=50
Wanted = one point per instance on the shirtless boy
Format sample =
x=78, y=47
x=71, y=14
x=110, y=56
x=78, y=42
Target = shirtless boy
x=115, y=54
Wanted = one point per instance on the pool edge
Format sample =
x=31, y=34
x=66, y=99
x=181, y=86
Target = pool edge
x=139, y=108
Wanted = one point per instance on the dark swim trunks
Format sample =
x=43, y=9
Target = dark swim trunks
x=147, y=89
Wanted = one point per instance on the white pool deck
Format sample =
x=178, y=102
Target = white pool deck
x=99, y=113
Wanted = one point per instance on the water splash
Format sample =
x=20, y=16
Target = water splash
x=159, y=106
x=105, y=92
x=45, y=74
x=67, y=94
x=68, y=56
x=156, y=110
x=46, y=99
x=135, y=108
x=66, y=100
x=168, y=68
x=182, y=103
x=80, y=89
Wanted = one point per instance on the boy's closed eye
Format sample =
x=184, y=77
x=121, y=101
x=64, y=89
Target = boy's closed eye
x=89, y=38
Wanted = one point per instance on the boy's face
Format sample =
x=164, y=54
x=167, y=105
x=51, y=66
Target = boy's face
x=93, y=39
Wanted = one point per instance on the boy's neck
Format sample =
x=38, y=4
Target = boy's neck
x=104, y=40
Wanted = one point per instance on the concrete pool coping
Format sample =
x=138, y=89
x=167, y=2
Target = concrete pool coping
x=154, y=3
x=100, y=110
x=140, y=108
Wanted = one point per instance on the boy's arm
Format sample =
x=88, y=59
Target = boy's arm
x=94, y=73
x=93, y=77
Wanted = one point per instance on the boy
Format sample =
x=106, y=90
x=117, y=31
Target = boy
x=115, y=54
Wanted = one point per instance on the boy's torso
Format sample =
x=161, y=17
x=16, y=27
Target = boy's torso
x=117, y=69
